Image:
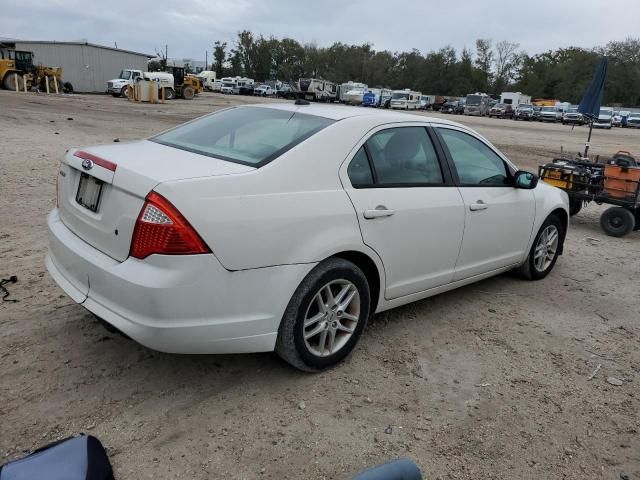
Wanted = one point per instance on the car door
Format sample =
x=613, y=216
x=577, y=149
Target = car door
x=408, y=209
x=498, y=217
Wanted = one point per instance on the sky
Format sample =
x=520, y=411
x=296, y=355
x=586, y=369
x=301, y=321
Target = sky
x=189, y=27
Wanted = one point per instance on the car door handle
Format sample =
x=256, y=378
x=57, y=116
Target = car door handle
x=479, y=205
x=379, y=212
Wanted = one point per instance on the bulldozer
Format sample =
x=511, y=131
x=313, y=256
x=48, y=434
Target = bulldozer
x=186, y=86
x=16, y=67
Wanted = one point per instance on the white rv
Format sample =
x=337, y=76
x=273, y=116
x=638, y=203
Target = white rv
x=514, y=99
x=208, y=78
x=477, y=104
x=405, y=99
x=317, y=90
x=355, y=94
x=344, y=89
x=228, y=84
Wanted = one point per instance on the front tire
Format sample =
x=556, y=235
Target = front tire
x=544, y=251
x=575, y=205
x=325, y=316
x=617, y=221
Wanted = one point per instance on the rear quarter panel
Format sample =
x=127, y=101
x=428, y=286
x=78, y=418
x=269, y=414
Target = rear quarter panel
x=292, y=210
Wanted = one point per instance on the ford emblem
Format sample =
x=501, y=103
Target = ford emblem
x=87, y=164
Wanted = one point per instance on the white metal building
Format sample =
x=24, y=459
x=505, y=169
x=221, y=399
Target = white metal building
x=86, y=65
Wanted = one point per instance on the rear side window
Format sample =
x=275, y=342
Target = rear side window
x=404, y=156
x=247, y=135
x=359, y=170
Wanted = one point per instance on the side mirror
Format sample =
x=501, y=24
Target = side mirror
x=525, y=180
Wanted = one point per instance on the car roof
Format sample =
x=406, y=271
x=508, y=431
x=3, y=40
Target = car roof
x=341, y=112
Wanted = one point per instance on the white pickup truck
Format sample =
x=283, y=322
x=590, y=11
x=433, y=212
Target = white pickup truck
x=264, y=90
x=118, y=86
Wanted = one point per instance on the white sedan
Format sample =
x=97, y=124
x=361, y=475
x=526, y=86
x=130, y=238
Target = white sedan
x=286, y=227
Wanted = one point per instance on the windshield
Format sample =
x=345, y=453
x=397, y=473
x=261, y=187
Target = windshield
x=247, y=135
x=227, y=84
x=474, y=99
x=125, y=75
x=525, y=107
x=572, y=110
x=400, y=96
x=356, y=90
x=634, y=115
x=605, y=112
x=548, y=109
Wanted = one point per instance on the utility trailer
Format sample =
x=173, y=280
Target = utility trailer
x=615, y=182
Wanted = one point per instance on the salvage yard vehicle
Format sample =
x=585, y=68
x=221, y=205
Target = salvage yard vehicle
x=355, y=95
x=264, y=90
x=524, y=112
x=405, y=99
x=287, y=226
x=633, y=121
x=620, y=118
x=16, y=67
x=550, y=114
x=244, y=86
x=501, y=110
x=118, y=87
x=605, y=118
x=208, y=79
x=572, y=116
x=477, y=104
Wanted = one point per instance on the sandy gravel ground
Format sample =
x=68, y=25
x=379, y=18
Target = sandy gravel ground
x=489, y=381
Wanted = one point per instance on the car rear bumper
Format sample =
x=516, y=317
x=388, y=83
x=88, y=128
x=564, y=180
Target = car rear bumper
x=175, y=304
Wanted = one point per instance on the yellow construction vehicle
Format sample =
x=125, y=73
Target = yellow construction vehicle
x=186, y=86
x=16, y=67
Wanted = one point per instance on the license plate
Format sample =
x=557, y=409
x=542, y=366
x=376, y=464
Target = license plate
x=89, y=192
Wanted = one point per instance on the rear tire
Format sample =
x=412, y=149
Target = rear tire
x=188, y=93
x=337, y=324
x=617, y=221
x=544, y=250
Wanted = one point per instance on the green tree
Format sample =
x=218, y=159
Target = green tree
x=219, y=57
x=483, y=63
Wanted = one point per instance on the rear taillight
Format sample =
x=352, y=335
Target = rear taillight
x=162, y=229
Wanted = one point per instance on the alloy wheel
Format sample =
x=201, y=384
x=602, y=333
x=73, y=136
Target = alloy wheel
x=546, y=248
x=331, y=317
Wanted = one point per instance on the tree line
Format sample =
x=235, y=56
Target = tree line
x=490, y=67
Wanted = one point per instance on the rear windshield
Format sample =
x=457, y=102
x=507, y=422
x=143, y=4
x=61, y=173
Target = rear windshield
x=247, y=135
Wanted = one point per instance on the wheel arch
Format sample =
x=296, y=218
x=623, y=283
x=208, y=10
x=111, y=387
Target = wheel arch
x=370, y=270
x=563, y=216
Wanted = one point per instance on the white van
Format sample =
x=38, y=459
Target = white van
x=405, y=99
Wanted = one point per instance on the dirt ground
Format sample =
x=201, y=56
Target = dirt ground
x=488, y=381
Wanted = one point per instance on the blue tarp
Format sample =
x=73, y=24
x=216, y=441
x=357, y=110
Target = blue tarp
x=590, y=103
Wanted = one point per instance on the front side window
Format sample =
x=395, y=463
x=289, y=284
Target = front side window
x=475, y=162
x=248, y=135
x=404, y=156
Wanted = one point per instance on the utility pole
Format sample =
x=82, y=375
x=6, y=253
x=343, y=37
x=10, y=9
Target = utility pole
x=206, y=59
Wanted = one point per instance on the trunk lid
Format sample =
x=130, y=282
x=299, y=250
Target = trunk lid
x=101, y=204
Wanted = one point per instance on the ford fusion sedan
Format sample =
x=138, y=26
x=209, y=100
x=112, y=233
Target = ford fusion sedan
x=286, y=227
